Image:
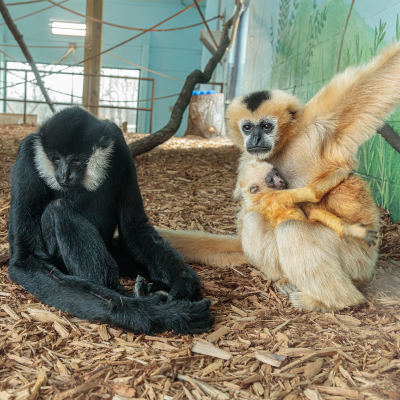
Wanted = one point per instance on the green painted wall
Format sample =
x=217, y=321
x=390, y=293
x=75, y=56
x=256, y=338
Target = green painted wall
x=294, y=45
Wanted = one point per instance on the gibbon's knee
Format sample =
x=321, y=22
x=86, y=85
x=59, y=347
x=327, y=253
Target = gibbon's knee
x=358, y=259
x=54, y=210
x=317, y=270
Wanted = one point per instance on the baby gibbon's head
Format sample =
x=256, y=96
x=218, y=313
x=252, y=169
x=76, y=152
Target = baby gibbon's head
x=262, y=122
x=256, y=176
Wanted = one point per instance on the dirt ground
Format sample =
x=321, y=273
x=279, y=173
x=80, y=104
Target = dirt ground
x=260, y=346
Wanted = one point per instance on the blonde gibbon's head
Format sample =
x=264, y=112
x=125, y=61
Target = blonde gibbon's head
x=258, y=176
x=261, y=123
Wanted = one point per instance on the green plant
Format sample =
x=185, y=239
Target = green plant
x=285, y=36
x=315, y=26
x=359, y=51
x=378, y=37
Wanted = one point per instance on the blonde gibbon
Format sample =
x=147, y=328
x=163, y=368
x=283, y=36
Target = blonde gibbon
x=307, y=143
x=262, y=190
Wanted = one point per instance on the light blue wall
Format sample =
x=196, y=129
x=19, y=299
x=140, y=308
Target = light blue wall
x=174, y=53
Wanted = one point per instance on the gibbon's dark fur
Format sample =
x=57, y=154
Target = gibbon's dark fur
x=73, y=183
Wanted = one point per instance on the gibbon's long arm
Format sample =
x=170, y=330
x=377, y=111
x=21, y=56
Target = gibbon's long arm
x=343, y=230
x=144, y=243
x=353, y=105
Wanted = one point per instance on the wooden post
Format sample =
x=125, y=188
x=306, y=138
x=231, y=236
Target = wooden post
x=93, y=46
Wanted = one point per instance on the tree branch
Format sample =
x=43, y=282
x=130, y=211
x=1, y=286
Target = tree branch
x=150, y=142
x=387, y=132
x=19, y=38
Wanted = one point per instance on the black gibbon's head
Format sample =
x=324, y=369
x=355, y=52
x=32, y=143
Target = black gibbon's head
x=73, y=150
x=262, y=122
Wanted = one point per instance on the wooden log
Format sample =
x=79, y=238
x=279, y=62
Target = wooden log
x=206, y=116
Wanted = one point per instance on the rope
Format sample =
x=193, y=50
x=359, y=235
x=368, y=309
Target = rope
x=80, y=97
x=146, y=69
x=111, y=48
x=36, y=12
x=40, y=47
x=127, y=27
x=24, y=2
x=12, y=58
x=119, y=58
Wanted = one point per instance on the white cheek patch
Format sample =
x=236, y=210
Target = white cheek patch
x=45, y=167
x=96, y=169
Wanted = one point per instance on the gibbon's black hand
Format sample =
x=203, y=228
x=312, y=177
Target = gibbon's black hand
x=187, y=286
x=73, y=183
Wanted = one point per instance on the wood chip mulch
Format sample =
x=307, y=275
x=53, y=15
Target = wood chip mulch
x=260, y=346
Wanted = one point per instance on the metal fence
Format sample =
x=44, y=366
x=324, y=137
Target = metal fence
x=25, y=100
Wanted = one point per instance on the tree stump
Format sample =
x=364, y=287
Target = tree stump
x=206, y=116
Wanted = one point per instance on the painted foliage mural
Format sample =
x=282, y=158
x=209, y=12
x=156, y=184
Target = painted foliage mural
x=296, y=45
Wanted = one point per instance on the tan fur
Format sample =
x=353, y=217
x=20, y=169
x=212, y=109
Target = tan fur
x=279, y=206
x=206, y=248
x=309, y=143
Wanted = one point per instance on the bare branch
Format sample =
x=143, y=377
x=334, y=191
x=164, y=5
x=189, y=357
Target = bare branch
x=387, y=132
x=150, y=142
x=19, y=38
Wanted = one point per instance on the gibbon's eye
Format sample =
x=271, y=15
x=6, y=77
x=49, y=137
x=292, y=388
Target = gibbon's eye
x=56, y=158
x=247, y=128
x=267, y=126
x=272, y=180
x=276, y=174
x=76, y=160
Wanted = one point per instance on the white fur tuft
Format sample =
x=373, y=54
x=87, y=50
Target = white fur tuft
x=45, y=167
x=96, y=170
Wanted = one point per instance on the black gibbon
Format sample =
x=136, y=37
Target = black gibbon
x=307, y=143
x=73, y=183
x=259, y=183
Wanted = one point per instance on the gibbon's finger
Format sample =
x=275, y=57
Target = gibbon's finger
x=139, y=288
x=371, y=238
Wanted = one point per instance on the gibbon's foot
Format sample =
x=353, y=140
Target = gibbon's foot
x=182, y=316
x=284, y=286
x=186, y=286
x=305, y=302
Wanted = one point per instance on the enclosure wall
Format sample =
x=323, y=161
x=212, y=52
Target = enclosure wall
x=294, y=45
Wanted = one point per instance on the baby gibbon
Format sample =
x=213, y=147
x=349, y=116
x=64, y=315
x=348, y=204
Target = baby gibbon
x=262, y=190
x=308, y=143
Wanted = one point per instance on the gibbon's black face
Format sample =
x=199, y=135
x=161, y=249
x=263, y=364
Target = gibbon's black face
x=69, y=153
x=256, y=136
x=274, y=181
x=260, y=123
x=68, y=170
